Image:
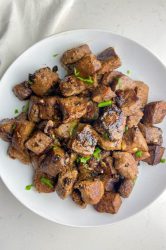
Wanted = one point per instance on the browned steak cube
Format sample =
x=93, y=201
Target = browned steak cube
x=43, y=182
x=134, y=119
x=21, y=155
x=91, y=191
x=109, y=203
x=43, y=81
x=102, y=93
x=21, y=134
x=66, y=130
x=126, y=188
x=55, y=162
x=38, y=143
x=34, y=111
x=112, y=123
x=66, y=182
x=133, y=141
x=85, y=140
x=109, y=77
x=71, y=85
x=48, y=108
x=7, y=127
x=142, y=91
x=73, y=108
x=154, y=112
x=92, y=65
x=22, y=90
x=92, y=112
x=36, y=159
x=75, y=54
x=125, y=165
x=156, y=153
x=152, y=135
x=122, y=82
x=109, y=60
x=76, y=197
x=106, y=144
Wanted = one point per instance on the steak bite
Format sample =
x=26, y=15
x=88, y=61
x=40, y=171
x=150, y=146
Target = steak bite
x=125, y=165
x=84, y=141
x=21, y=155
x=107, y=144
x=156, y=152
x=92, y=112
x=122, y=82
x=126, y=188
x=109, y=77
x=38, y=143
x=102, y=93
x=154, y=112
x=55, y=162
x=43, y=182
x=109, y=203
x=21, y=134
x=152, y=135
x=91, y=191
x=48, y=108
x=22, y=90
x=34, y=111
x=134, y=119
x=43, y=80
x=92, y=65
x=76, y=197
x=109, y=60
x=75, y=54
x=142, y=91
x=66, y=182
x=7, y=127
x=73, y=108
x=133, y=141
x=66, y=130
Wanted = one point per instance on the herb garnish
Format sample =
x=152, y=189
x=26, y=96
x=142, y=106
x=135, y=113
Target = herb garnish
x=88, y=80
x=55, y=55
x=138, y=153
x=28, y=187
x=163, y=160
x=128, y=72
x=97, y=154
x=25, y=107
x=46, y=182
x=83, y=160
x=126, y=128
x=16, y=111
x=104, y=104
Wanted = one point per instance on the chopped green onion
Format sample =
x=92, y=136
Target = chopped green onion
x=16, y=111
x=55, y=55
x=28, y=187
x=25, y=107
x=119, y=83
x=76, y=73
x=88, y=80
x=106, y=136
x=163, y=160
x=138, y=153
x=104, y=104
x=128, y=72
x=96, y=153
x=30, y=82
x=83, y=160
x=46, y=182
x=13, y=126
x=126, y=128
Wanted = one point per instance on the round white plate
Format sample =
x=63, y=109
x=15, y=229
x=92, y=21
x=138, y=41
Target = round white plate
x=143, y=65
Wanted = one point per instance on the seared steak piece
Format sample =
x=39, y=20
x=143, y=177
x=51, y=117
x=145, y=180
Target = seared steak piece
x=43, y=81
x=156, y=153
x=109, y=60
x=76, y=197
x=91, y=191
x=21, y=155
x=55, y=162
x=66, y=182
x=92, y=65
x=92, y=112
x=109, y=77
x=122, y=82
x=106, y=144
x=38, y=143
x=7, y=127
x=125, y=165
x=102, y=93
x=66, y=130
x=21, y=134
x=133, y=141
x=84, y=141
x=48, y=108
x=34, y=111
x=142, y=91
x=109, y=203
x=73, y=108
x=134, y=119
x=152, y=135
x=154, y=112
x=22, y=90
x=126, y=188
x=43, y=182
x=112, y=122
x=75, y=54
x=36, y=160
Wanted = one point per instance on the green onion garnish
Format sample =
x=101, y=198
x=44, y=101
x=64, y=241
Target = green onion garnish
x=25, y=107
x=83, y=160
x=106, y=136
x=28, y=187
x=163, y=160
x=104, y=104
x=88, y=80
x=16, y=111
x=126, y=128
x=55, y=55
x=30, y=82
x=46, y=182
x=119, y=83
x=76, y=73
x=128, y=72
x=97, y=154
x=138, y=153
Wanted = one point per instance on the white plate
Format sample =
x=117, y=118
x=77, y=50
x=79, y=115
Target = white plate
x=143, y=66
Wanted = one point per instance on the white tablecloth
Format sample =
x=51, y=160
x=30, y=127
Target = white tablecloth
x=23, y=22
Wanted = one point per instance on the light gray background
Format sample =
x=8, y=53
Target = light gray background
x=21, y=24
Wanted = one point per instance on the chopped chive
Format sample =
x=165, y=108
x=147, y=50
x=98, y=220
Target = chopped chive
x=138, y=153
x=13, y=126
x=128, y=72
x=25, y=107
x=163, y=160
x=55, y=55
x=30, y=82
x=106, y=136
x=83, y=160
x=119, y=83
x=88, y=80
x=105, y=104
x=126, y=128
x=16, y=111
x=28, y=187
x=97, y=154
x=46, y=182
x=76, y=73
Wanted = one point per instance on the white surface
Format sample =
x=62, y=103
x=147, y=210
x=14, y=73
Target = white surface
x=151, y=181
x=144, y=21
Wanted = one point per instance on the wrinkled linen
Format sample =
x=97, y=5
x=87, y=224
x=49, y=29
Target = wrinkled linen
x=24, y=22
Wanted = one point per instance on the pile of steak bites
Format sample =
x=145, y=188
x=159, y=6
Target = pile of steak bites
x=85, y=134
